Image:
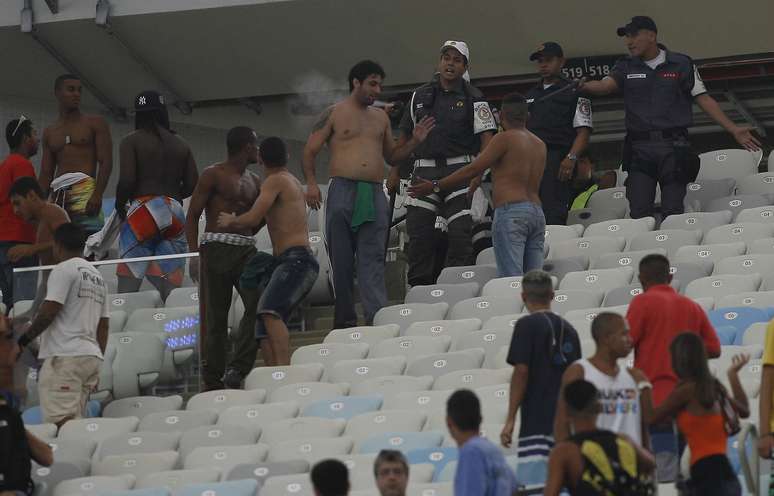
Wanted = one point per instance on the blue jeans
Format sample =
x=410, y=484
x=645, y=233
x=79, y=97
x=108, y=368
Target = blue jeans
x=518, y=234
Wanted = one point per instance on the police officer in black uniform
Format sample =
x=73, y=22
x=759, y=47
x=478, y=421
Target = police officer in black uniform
x=563, y=121
x=463, y=126
x=659, y=87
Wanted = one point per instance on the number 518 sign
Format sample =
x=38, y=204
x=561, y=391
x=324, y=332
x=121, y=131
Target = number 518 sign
x=589, y=67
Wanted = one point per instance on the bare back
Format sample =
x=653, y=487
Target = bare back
x=231, y=192
x=286, y=217
x=517, y=174
x=160, y=165
x=51, y=217
x=73, y=144
x=356, y=141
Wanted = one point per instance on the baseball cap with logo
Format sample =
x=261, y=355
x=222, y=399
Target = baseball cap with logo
x=547, y=49
x=460, y=46
x=637, y=23
x=148, y=100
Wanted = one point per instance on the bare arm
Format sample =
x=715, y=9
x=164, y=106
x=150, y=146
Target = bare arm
x=396, y=153
x=45, y=316
x=742, y=135
x=253, y=217
x=127, y=179
x=603, y=87
x=489, y=157
x=646, y=396
x=557, y=469
x=102, y=333
x=766, y=437
x=190, y=177
x=201, y=195
x=47, y=165
x=321, y=133
x=39, y=451
x=104, y=145
x=739, y=397
x=561, y=430
x=517, y=391
x=671, y=406
x=646, y=461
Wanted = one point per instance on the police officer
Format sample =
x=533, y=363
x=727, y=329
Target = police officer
x=659, y=87
x=463, y=126
x=563, y=122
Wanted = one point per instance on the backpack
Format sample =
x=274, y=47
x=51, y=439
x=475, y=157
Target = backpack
x=15, y=460
x=609, y=466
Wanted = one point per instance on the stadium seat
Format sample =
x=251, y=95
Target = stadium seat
x=448, y=293
x=581, y=319
x=494, y=403
x=756, y=184
x=97, y=429
x=490, y=340
x=94, y=485
x=72, y=450
x=310, y=450
x=610, y=201
x=391, y=385
x=264, y=470
x=586, y=216
x=485, y=307
x=342, y=407
x=701, y=192
x=137, y=442
x=364, y=334
x=355, y=371
x=406, y=314
x=746, y=232
x=302, y=428
x=138, y=362
x=367, y=424
x=685, y=272
x=754, y=335
x=43, y=431
x=177, y=420
x=575, y=299
x=322, y=290
x=222, y=399
x=586, y=246
x=402, y=441
x=47, y=478
x=433, y=489
x=620, y=228
x=451, y=328
x=667, y=239
x=760, y=263
x=486, y=257
x=225, y=458
x=271, y=378
x=117, y=322
x=137, y=464
x=503, y=321
x=361, y=471
x=755, y=299
x=736, y=203
x=140, y=406
x=246, y=487
x=443, y=363
x=711, y=253
x=722, y=285
x=129, y=302
x=411, y=346
x=423, y=401
x=556, y=233
x=763, y=215
x=215, y=435
x=740, y=318
x=728, y=163
x=258, y=417
x=480, y=274
x=765, y=245
x=707, y=303
x=622, y=295
x=328, y=354
x=288, y=485
x=173, y=479
x=623, y=259
x=472, y=378
x=447, y=473
x=182, y=297
x=601, y=280
x=560, y=267
x=507, y=286
x=104, y=389
x=304, y=393
x=438, y=457
x=726, y=334
x=701, y=221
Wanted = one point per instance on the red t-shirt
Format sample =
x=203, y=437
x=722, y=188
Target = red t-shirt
x=655, y=318
x=12, y=227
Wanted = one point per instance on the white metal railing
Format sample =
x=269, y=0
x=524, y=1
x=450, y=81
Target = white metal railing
x=113, y=261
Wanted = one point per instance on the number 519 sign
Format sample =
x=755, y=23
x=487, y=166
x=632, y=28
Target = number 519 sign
x=590, y=67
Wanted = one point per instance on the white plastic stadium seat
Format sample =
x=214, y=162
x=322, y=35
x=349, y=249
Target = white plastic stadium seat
x=91, y=486
x=311, y=450
x=328, y=353
x=503, y=321
x=746, y=232
x=258, y=417
x=137, y=442
x=303, y=393
x=601, y=280
x=303, y=428
x=391, y=385
x=368, y=424
x=507, y=286
x=177, y=420
x=490, y=340
x=737, y=203
x=182, y=297
x=271, y=378
x=364, y=334
x=480, y=274
x=485, y=307
x=222, y=399
x=138, y=362
x=448, y=293
x=712, y=253
x=611, y=201
x=717, y=286
x=566, y=300
x=702, y=221
x=586, y=246
x=620, y=228
x=758, y=214
x=215, y=435
x=140, y=406
x=701, y=192
x=356, y=371
x=756, y=184
x=623, y=259
x=129, y=302
x=136, y=464
x=754, y=299
x=451, y=328
x=97, y=429
x=172, y=479
x=406, y=314
x=473, y=378
x=556, y=233
x=668, y=239
x=760, y=263
x=225, y=458
x=734, y=163
x=411, y=346
x=443, y=363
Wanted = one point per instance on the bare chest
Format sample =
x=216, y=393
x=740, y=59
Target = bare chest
x=358, y=127
x=79, y=135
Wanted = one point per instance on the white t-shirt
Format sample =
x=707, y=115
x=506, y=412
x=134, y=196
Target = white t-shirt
x=698, y=84
x=79, y=287
x=619, y=398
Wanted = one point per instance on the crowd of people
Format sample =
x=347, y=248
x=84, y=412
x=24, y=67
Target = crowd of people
x=583, y=416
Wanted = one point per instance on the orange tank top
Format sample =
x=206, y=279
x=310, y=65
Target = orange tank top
x=704, y=434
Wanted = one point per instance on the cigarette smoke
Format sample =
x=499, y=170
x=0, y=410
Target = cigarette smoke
x=313, y=92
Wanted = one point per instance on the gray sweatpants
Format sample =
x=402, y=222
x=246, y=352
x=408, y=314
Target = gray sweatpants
x=347, y=248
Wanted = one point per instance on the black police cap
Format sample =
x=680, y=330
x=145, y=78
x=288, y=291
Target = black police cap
x=637, y=23
x=547, y=49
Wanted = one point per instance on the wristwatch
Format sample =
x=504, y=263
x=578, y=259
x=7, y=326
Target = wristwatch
x=572, y=157
x=436, y=186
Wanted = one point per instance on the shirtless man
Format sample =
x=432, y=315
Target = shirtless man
x=29, y=204
x=72, y=148
x=517, y=159
x=157, y=172
x=225, y=187
x=289, y=275
x=356, y=216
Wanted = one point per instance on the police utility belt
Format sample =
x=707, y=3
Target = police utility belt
x=443, y=162
x=660, y=135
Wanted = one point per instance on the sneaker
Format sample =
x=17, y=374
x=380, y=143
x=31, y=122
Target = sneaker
x=232, y=379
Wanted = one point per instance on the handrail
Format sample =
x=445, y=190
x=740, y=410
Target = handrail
x=113, y=261
x=750, y=468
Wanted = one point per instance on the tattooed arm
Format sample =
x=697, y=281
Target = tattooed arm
x=321, y=133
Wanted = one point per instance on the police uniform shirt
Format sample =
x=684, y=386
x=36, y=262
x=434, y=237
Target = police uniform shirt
x=555, y=119
x=658, y=94
x=457, y=125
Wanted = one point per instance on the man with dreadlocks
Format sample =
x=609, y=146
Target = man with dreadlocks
x=157, y=172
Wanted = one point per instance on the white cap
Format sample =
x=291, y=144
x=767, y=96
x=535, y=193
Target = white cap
x=460, y=46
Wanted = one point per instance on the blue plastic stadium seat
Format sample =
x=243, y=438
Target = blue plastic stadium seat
x=243, y=487
x=738, y=317
x=402, y=441
x=342, y=407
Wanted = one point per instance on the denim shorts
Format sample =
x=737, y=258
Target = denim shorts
x=293, y=276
